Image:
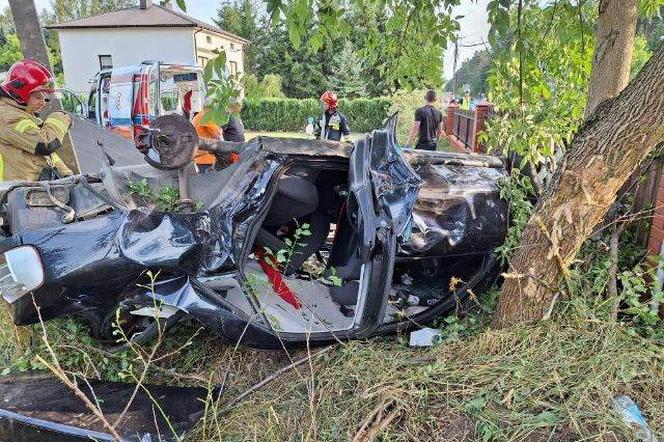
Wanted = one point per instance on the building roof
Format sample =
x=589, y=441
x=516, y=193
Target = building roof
x=155, y=16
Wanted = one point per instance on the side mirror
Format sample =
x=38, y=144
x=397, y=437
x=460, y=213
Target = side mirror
x=22, y=273
x=72, y=103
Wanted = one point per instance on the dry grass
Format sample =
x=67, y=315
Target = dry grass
x=554, y=381
x=550, y=382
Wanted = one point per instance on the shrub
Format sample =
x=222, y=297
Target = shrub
x=290, y=115
x=270, y=87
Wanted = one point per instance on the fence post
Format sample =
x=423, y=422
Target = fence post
x=449, y=119
x=483, y=110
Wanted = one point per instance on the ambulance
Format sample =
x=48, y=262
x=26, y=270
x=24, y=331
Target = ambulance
x=127, y=98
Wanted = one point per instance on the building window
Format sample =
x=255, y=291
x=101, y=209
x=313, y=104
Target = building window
x=233, y=66
x=208, y=39
x=105, y=62
x=202, y=61
x=232, y=46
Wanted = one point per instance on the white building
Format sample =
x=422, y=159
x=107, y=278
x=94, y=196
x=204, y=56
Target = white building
x=147, y=32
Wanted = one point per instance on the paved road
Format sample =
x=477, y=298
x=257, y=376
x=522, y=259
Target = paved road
x=86, y=135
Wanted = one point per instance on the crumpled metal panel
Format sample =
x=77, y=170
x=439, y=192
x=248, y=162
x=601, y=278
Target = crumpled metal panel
x=90, y=264
x=209, y=307
x=37, y=407
x=395, y=183
x=459, y=210
x=159, y=240
x=238, y=204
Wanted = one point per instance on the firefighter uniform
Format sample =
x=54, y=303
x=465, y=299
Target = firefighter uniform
x=23, y=136
x=332, y=124
x=211, y=130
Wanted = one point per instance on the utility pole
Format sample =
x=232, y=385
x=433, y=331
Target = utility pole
x=454, y=68
x=33, y=45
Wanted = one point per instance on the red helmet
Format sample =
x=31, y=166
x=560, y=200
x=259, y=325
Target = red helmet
x=330, y=99
x=26, y=77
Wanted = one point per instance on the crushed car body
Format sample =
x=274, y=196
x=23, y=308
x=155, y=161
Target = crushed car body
x=38, y=407
x=295, y=242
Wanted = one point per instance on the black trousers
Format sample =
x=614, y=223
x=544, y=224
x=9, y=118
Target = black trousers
x=426, y=145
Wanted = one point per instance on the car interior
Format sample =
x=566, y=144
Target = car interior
x=310, y=283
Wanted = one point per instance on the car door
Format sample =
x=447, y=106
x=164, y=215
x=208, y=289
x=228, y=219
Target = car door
x=382, y=191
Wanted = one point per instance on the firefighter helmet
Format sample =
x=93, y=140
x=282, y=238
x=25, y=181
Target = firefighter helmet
x=330, y=99
x=26, y=77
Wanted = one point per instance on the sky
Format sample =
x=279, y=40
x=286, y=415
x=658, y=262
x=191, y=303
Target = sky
x=474, y=29
x=474, y=24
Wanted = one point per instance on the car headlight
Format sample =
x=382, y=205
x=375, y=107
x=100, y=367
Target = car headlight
x=22, y=273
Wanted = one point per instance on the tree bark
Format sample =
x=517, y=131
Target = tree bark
x=29, y=32
x=616, y=29
x=607, y=149
x=33, y=46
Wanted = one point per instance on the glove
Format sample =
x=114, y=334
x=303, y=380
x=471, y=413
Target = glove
x=62, y=116
x=60, y=121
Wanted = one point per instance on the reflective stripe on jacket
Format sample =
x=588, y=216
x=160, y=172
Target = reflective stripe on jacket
x=21, y=133
x=332, y=127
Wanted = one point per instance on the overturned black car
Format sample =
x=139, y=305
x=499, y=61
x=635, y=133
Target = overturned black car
x=294, y=242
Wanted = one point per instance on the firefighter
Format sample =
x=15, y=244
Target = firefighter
x=205, y=160
x=27, y=143
x=333, y=124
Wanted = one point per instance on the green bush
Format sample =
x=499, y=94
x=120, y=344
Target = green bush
x=290, y=114
x=270, y=86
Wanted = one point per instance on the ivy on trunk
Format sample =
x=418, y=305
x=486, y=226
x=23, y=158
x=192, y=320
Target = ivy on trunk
x=603, y=155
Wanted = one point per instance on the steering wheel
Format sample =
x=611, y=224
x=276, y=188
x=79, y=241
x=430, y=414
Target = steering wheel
x=169, y=143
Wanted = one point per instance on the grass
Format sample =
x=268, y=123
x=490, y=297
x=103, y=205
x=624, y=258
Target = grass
x=554, y=381
x=549, y=382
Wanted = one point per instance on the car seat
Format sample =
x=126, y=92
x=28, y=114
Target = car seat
x=296, y=199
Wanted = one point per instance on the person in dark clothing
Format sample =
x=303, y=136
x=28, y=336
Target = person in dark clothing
x=234, y=129
x=333, y=125
x=428, y=124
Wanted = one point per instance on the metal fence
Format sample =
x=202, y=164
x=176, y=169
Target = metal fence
x=462, y=127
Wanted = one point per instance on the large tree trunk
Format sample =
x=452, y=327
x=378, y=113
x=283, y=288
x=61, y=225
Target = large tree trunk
x=616, y=29
x=603, y=155
x=33, y=46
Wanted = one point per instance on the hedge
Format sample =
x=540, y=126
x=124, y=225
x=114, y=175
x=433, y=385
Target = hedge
x=290, y=114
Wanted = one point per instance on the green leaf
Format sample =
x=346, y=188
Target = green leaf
x=222, y=57
x=476, y=404
x=208, y=72
x=294, y=36
x=316, y=41
x=182, y=5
